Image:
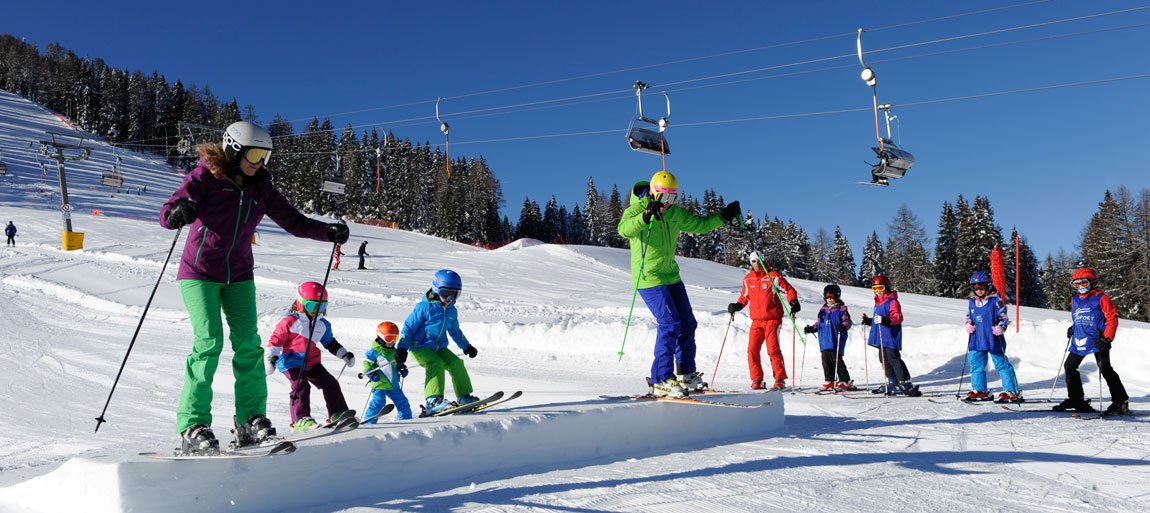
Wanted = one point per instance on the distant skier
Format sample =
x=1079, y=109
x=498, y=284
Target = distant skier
x=425, y=335
x=986, y=322
x=833, y=326
x=1095, y=324
x=363, y=254
x=10, y=232
x=338, y=253
x=223, y=199
x=385, y=374
x=296, y=335
x=651, y=224
x=886, y=334
x=761, y=289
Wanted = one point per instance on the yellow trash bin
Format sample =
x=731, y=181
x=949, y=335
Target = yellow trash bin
x=73, y=241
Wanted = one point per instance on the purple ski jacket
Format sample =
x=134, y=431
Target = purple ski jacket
x=219, y=244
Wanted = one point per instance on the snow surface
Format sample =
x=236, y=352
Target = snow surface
x=546, y=319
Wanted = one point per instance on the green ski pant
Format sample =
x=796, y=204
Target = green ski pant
x=204, y=301
x=434, y=363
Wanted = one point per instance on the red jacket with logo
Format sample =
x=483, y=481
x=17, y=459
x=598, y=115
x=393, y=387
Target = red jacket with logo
x=758, y=292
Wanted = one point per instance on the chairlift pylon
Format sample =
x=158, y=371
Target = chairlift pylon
x=642, y=138
x=894, y=162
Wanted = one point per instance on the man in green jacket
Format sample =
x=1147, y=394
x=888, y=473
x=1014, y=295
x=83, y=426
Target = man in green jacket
x=651, y=224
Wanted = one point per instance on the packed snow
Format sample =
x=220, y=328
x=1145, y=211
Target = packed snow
x=548, y=320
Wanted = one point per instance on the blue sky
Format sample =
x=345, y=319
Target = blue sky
x=1044, y=158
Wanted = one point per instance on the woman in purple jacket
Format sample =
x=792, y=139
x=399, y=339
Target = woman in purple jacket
x=223, y=199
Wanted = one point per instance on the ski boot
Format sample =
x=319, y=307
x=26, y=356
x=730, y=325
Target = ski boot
x=827, y=387
x=257, y=430
x=976, y=396
x=693, y=382
x=909, y=389
x=668, y=388
x=199, y=440
x=467, y=399
x=1077, y=405
x=1008, y=397
x=340, y=415
x=1117, y=408
x=758, y=385
x=845, y=386
x=304, y=424
x=780, y=384
x=435, y=404
x=887, y=389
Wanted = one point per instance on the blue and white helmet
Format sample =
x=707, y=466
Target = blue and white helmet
x=446, y=279
x=979, y=277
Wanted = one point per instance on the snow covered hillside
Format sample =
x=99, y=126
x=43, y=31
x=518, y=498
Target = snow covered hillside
x=548, y=320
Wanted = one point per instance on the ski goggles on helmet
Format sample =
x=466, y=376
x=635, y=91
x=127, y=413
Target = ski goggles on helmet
x=389, y=339
x=664, y=195
x=979, y=286
x=257, y=155
x=314, y=306
x=449, y=295
x=878, y=287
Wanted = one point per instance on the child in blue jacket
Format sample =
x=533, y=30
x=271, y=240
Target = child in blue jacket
x=986, y=321
x=833, y=326
x=886, y=335
x=385, y=374
x=425, y=334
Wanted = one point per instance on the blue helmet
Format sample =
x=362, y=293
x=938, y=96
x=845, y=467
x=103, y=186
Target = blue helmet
x=446, y=279
x=979, y=277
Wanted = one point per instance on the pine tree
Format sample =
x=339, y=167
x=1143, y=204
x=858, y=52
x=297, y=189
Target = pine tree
x=946, y=279
x=873, y=260
x=977, y=236
x=1108, y=245
x=552, y=230
x=614, y=214
x=1056, y=273
x=1029, y=277
x=907, y=262
x=1139, y=279
x=530, y=221
x=841, y=261
x=820, y=256
x=577, y=228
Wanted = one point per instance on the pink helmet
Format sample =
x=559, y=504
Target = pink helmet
x=312, y=297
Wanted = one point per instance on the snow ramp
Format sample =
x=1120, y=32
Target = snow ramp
x=398, y=459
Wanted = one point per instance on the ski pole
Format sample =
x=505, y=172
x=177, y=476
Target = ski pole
x=638, y=276
x=866, y=361
x=803, y=365
x=886, y=371
x=1058, y=372
x=962, y=374
x=100, y=419
x=311, y=332
x=715, y=373
x=838, y=344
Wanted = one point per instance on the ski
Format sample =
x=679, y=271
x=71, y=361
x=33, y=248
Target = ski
x=464, y=408
x=1095, y=416
x=335, y=428
x=515, y=395
x=686, y=400
x=271, y=448
x=387, y=408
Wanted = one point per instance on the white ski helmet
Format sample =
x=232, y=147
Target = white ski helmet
x=244, y=139
x=753, y=257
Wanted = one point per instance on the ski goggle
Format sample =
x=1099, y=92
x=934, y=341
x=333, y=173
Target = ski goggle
x=1081, y=282
x=666, y=198
x=878, y=288
x=313, y=306
x=389, y=339
x=449, y=295
x=257, y=155
x=831, y=296
x=979, y=286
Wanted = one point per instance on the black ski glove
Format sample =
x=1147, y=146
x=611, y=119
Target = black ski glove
x=1070, y=331
x=1103, y=343
x=795, y=306
x=471, y=351
x=810, y=329
x=867, y=321
x=401, y=369
x=734, y=307
x=401, y=357
x=182, y=213
x=653, y=210
x=338, y=233
x=731, y=211
x=885, y=321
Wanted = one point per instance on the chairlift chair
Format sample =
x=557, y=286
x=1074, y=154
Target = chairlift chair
x=3, y=166
x=894, y=162
x=333, y=184
x=645, y=139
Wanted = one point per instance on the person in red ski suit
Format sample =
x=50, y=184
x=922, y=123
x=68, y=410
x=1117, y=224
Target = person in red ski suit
x=338, y=253
x=759, y=289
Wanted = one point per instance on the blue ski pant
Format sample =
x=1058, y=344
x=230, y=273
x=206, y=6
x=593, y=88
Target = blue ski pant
x=379, y=400
x=675, y=342
x=977, y=360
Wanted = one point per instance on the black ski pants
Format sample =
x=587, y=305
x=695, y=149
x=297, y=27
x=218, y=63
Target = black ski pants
x=893, y=366
x=1074, y=378
x=831, y=361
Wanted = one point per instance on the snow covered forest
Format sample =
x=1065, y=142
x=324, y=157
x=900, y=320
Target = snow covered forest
x=417, y=187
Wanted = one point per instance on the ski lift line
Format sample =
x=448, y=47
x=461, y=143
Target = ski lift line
x=677, y=61
x=831, y=112
x=810, y=61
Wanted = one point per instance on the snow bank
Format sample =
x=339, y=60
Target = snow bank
x=384, y=460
